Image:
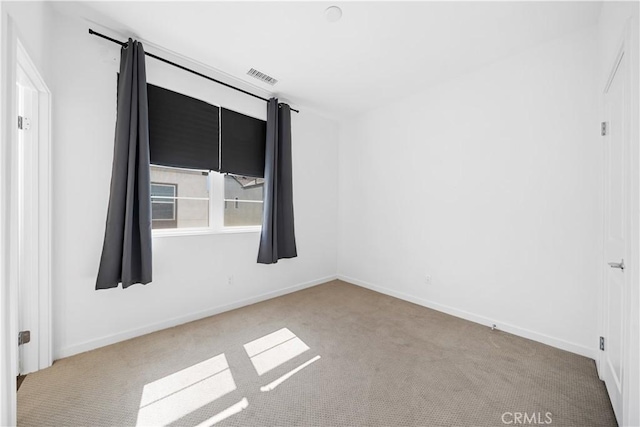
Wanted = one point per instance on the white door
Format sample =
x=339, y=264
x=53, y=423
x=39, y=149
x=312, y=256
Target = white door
x=27, y=150
x=616, y=231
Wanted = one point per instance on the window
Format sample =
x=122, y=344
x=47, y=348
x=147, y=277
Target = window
x=204, y=200
x=201, y=155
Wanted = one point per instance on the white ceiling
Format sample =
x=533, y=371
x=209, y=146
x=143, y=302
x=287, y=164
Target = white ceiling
x=377, y=52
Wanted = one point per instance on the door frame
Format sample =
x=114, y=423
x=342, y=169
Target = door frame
x=41, y=176
x=11, y=51
x=8, y=297
x=631, y=292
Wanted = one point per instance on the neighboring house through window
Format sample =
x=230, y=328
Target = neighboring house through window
x=242, y=201
x=191, y=199
x=164, y=205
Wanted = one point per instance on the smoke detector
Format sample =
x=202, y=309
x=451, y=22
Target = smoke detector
x=333, y=13
x=262, y=76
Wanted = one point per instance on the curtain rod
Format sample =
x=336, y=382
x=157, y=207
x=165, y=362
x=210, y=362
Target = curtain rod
x=166, y=61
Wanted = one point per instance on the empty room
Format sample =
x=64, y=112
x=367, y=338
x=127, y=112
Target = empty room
x=357, y=213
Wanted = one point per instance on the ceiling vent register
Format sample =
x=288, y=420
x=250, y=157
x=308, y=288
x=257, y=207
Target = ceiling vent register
x=262, y=76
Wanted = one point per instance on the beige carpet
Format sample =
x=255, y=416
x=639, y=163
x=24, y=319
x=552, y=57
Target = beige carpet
x=383, y=362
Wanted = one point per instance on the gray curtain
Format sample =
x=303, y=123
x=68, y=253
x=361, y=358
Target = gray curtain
x=278, y=237
x=126, y=253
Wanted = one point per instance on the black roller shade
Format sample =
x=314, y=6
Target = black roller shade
x=243, y=143
x=183, y=131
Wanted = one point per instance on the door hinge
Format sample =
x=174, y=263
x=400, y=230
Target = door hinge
x=24, y=123
x=24, y=337
x=602, y=343
x=603, y=128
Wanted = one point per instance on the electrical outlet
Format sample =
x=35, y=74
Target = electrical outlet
x=230, y=280
x=427, y=279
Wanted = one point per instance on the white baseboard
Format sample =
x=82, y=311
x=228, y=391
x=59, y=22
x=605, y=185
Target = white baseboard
x=169, y=323
x=506, y=327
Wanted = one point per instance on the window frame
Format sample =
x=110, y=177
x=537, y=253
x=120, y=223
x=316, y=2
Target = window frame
x=215, y=184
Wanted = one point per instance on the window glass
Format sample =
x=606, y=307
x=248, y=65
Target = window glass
x=163, y=203
x=242, y=201
x=164, y=211
x=179, y=198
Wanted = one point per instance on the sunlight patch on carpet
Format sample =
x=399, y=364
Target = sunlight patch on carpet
x=288, y=375
x=223, y=415
x=172, y=397
x=274, y=349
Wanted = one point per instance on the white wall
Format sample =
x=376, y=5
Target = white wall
x=491, y=184
x=615, y=18
x=32, y=23
x=190, y=273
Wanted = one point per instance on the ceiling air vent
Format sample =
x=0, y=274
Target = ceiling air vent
x=262, y=76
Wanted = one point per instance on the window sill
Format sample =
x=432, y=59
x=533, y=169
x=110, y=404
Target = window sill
x=204, y=231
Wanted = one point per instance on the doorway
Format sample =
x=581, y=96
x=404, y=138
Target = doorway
x=31, y=218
